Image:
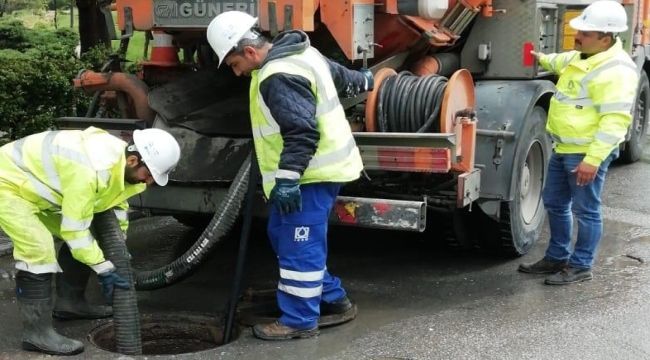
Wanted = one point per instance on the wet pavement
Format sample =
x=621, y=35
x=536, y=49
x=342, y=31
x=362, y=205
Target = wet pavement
x=416, y=299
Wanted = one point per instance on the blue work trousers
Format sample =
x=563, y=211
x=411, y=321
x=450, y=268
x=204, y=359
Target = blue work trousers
x=563, y=198
x=299, y=240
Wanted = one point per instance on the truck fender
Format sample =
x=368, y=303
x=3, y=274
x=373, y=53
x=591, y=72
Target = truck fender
x=502, y=107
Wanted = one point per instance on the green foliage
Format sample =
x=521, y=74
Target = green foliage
x=59, y=4
x=36, y=69
x=34, y=5
x=96, y=57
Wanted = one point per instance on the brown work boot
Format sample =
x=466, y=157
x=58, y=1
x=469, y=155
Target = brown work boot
x=543, y=266
x=277, y=331
x=337, y=312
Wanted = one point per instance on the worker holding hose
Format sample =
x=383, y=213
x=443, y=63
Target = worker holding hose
x=305, y=152
x=51, y=184
x=588, y=118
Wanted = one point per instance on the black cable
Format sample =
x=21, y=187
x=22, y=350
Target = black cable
x=410, y=103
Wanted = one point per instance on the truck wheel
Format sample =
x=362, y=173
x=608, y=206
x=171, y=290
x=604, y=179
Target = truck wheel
x=522, y=218
x=634, y=147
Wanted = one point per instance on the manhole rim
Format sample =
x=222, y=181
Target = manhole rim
x=206, y=320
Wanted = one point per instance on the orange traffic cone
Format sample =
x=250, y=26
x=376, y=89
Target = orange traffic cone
x=163, y=51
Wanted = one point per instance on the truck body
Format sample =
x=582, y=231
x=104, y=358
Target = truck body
x=461, y=70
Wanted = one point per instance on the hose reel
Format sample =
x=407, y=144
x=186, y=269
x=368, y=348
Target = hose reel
x=409, y=103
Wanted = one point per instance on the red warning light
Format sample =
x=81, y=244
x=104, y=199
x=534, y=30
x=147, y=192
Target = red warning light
x=528, y=58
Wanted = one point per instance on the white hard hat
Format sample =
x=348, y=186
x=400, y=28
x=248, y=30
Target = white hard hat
x=604, y=15
x=226, y=29
x=159, y=151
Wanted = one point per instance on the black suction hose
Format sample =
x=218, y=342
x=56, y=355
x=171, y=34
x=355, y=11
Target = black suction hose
x=126, y=316
x=223, y=220
x=410, y=103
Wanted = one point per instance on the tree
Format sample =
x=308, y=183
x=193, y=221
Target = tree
x=92, y=24
x=3, y=6
x=36, y=66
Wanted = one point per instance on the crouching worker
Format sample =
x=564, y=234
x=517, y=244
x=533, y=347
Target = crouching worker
x=51, y=185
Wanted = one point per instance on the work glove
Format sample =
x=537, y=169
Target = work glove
x=285, y=196
x=109, y=281
x=370, y=78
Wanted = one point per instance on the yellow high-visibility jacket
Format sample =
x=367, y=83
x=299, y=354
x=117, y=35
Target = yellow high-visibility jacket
x=337, y=157
x=592, y=108
x=75, y=174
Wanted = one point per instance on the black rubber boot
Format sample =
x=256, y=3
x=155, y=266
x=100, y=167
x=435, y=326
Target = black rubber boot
x=34, y=294
x=71, y=284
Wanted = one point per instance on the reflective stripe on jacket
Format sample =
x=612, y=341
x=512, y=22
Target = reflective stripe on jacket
x=72, y=173
x=592, y=108
x=337, y=157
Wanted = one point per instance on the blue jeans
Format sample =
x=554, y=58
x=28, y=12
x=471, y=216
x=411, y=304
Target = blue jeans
x=563, y=198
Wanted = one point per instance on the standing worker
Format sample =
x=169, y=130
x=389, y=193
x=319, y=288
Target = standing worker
x=305, y=151
x=51, y=184
x=588, y=118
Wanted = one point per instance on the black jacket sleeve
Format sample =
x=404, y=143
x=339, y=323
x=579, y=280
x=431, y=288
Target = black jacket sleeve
x=349, y=83
x=293, y=106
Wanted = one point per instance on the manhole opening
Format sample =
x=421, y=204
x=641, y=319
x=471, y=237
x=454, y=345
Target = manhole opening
x=168, y=334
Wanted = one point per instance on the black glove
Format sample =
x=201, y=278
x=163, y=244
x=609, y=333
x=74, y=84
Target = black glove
x=285, y=196
x=370, y=79
x=111, y=280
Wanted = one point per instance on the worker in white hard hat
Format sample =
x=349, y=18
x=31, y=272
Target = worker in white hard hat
x=305, y=152
x=51, y=185
x=588, y=118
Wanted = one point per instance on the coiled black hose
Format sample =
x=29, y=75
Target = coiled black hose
x=224, y=218
x=126, y=316
x=410, y=103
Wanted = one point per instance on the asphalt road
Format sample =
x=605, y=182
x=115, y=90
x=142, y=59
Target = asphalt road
x=416, y=300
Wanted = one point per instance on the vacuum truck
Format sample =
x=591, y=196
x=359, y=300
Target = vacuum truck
x=454, y=127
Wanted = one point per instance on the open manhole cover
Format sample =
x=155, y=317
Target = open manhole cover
x=168, y=334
